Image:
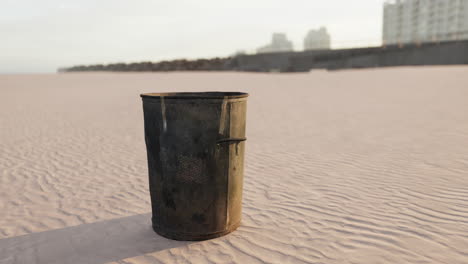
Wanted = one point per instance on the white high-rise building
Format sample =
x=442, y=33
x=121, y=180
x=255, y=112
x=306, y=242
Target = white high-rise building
x=279, y=43
x=317, y=39
x=415, y=21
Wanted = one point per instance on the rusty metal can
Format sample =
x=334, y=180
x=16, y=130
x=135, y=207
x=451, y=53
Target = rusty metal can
x=195, y=147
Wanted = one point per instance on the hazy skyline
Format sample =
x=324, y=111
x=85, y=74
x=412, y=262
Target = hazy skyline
x=40, y=36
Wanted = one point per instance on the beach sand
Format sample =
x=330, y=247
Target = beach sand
x=356, y=166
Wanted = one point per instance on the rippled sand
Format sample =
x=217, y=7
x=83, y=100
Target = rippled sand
x=367, y=166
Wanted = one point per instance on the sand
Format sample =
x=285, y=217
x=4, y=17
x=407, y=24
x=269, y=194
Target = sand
x=367, y=166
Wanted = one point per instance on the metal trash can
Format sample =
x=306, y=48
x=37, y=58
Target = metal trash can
x=195, y=145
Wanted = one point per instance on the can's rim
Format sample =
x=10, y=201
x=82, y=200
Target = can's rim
x=195, y=95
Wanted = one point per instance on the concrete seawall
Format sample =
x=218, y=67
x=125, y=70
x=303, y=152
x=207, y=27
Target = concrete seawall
x=444, y=53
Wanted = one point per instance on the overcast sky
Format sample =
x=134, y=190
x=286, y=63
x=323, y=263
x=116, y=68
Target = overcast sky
x=42, y=35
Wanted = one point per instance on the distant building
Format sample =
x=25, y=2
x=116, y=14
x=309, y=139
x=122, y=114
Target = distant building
x=415, y=21
x=279, y=43
x=239, y=53
x=317, y=39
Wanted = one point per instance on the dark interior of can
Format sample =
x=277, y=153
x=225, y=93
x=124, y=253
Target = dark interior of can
x=196, y=95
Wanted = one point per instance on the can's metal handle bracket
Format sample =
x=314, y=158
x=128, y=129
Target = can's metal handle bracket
x=230, y=140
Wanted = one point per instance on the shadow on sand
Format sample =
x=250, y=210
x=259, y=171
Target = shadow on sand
x=99, y=242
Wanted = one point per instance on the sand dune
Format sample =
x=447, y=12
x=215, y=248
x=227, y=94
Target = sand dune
x=366, y=166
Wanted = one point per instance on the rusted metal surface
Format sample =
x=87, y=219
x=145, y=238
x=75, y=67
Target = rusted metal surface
x=195, y=147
